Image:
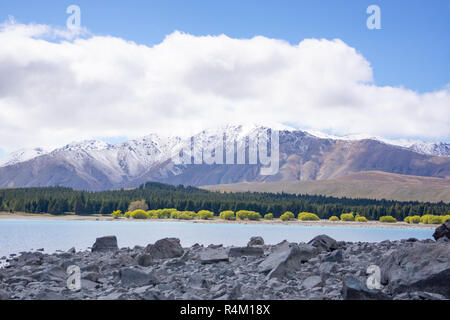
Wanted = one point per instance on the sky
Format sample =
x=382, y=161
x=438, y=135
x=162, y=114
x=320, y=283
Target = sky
x=146, y=66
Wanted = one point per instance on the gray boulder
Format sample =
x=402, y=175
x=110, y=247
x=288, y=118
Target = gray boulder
x=52, y=273
x=198, y=282
x=419, y=295
x=4, y=295
x=144, y=260
x=354, y=289
x=105, y=244
x=210, y=256
x=137, y=277
x=312, y=282
x=246, y=251
x=324, y=243
x=165, y=249
x=327, y=268
x=443, y=231
x=335, y=256
x=91, y=276
x=113, y=296
x=286, y=259
x=421, y=267
x=255, y=241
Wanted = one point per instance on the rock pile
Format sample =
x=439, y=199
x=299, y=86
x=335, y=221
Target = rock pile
x=322, y=269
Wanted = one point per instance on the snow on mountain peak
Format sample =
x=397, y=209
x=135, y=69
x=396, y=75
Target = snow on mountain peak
x=430, y=148
x=134, y=155
x=22, y=155
x=86, y=145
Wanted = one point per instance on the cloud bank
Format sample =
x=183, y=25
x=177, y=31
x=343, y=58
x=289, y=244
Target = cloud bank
x=56, y=91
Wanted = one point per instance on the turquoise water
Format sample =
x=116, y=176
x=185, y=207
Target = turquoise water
x=19, y=235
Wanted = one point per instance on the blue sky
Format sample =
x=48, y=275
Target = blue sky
x=411, y=50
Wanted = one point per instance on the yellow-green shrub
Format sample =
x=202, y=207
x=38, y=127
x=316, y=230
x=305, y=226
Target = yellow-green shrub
x=186, y=215
x=227, y=215
x=347, y=217
x=334, y=218
x=139, y=214
x=152, y=214
x=268, y=216
x=388, y=219
x=431, y=219
x=252, y=215
x=164, y=213
x=287, y=216
x=242, y=214
x=361, y=219
x=246, y=214
x=412, y=219
x=308, y=216
x=117, y=214
x=205, y=214
x=127, y=214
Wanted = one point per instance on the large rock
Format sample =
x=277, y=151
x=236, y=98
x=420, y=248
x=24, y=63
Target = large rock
x=144, y=259
x=210, y=256
x=419, y=296
x=421, y=267
x=49, y=296
x=137, y=277
x=442, y=231
x=324, y=243
x=246, y=251
x=335, y=256
x=4, y=295
x=354, y=289
x=52, y=273
x=312, y=282
x=105, y=244
x=286, y=259
x=255, y=241
x=165, y=249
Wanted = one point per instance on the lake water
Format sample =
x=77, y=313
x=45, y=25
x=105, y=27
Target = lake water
x=19, y=235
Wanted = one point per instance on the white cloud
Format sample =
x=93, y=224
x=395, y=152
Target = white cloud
x=56, y=91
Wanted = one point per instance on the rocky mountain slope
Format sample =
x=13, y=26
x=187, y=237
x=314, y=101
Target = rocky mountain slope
x=95, y=165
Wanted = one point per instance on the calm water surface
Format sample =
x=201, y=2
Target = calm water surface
x=19, y=235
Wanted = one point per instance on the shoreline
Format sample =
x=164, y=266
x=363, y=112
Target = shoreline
x=322, y=223
x=322, y=269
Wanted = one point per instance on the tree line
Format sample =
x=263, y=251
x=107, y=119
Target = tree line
x=60, y=200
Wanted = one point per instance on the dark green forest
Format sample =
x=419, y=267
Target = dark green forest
x=59, y=200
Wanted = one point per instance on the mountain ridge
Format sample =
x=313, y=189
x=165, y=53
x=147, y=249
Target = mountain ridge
x=25, y=154
x=96, y=165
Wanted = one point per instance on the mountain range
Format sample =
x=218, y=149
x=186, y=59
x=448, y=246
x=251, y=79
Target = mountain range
x=304, y=156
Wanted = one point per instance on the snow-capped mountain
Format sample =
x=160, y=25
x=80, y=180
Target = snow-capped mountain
x=431, y=148
x=96, y=165
x=22, y=155
x=86, y=145
x=154, y=148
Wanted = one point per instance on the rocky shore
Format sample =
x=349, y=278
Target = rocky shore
x=322, y=269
